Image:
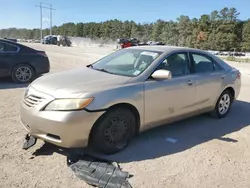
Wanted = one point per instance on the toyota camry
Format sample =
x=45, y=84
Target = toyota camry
x=105, y=104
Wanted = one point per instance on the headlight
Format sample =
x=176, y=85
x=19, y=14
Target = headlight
x=68, y=104
x=26, y=92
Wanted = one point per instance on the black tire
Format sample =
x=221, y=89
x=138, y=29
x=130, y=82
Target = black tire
x=217, y=113
x=30, y=73
x=107, y=138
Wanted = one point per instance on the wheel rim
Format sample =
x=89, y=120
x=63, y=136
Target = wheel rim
x=116, y=132
x=23, y=74
x=224, y=104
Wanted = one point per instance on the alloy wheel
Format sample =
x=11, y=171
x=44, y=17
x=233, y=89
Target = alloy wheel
x=23, y=74
x=224, y=104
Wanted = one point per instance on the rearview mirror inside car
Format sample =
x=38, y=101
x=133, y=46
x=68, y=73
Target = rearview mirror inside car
x=136, y=54
x=161, y=74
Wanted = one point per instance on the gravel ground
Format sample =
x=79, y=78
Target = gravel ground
x=208, y=152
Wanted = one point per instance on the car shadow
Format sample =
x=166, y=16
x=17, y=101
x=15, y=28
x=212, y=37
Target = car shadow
x=7, y=83
x=187, y=134
x=177, y=137
x=49, y=149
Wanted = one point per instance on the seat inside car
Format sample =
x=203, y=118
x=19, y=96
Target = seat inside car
x=176, y=64
x=144, y=62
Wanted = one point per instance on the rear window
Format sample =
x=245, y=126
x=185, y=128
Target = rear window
x=223, y=64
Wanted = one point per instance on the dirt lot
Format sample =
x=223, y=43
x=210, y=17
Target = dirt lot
x=208, y=152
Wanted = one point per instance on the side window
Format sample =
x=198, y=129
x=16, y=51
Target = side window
x=177, y=63
x=202, y=64
x=10, y=48
x=1, y=47
x=7, y=48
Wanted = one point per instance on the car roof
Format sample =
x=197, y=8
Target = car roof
x=167, y=49
x=7, y=41
x=17, y=44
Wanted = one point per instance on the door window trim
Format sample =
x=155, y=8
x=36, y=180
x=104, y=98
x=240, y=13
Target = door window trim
x=18, y=48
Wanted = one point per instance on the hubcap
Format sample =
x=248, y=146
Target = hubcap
x=23, y=74
x=116, y=132
x=224, y=104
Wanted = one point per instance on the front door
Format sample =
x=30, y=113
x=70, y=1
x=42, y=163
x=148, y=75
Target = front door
x=170, y=98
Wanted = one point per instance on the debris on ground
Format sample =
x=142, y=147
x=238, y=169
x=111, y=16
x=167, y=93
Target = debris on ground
x=99, y=172
x=29, y=141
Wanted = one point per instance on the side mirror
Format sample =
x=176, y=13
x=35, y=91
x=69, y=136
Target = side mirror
x=162, y=74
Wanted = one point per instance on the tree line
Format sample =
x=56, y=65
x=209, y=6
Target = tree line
x=219, y=30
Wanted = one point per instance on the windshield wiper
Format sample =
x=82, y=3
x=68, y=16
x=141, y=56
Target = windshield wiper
x=104, y=70
x=90, y=65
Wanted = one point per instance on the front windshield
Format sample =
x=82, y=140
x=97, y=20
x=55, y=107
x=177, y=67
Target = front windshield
x=127, y=62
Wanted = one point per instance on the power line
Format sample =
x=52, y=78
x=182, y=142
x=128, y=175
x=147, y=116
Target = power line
x=41, y=17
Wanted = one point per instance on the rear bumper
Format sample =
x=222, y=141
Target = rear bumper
x=42, y=66
x=237, y=88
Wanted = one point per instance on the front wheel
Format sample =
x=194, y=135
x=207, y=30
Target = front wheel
x=223, y=105
x=113, y=131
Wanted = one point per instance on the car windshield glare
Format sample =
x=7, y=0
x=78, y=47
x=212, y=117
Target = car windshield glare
x=127, y=62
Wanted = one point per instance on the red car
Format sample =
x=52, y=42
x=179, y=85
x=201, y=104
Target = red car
x=126, y=44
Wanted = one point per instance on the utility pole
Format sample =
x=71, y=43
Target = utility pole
x=41, y=20
x=50, y=19
x=41, y=17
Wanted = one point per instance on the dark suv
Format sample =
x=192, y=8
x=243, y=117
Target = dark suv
x=50, y=40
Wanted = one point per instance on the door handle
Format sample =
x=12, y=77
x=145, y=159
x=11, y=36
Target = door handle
x=223, y=76
x=189, y=82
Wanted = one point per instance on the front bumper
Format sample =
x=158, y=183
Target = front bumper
x=67, y=129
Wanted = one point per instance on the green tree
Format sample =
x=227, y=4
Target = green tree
x=79, y=29
x=219, y=30
x=157, y=30
x=185, y=29
x=246, y=37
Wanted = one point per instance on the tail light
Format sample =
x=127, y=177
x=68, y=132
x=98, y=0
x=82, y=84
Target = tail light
x=42, y=54
x=238, y=76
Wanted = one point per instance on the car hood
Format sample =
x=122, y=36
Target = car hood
x=75, y=82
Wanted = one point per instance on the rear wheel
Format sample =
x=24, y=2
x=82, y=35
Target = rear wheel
x=23, y=73
x=223, y=105
x=113, y=131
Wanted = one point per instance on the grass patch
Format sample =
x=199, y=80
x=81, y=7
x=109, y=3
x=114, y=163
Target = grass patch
x=231, y=58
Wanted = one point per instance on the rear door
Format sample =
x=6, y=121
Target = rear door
x=8, y=53
x=166, y=99
x=209, y=79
